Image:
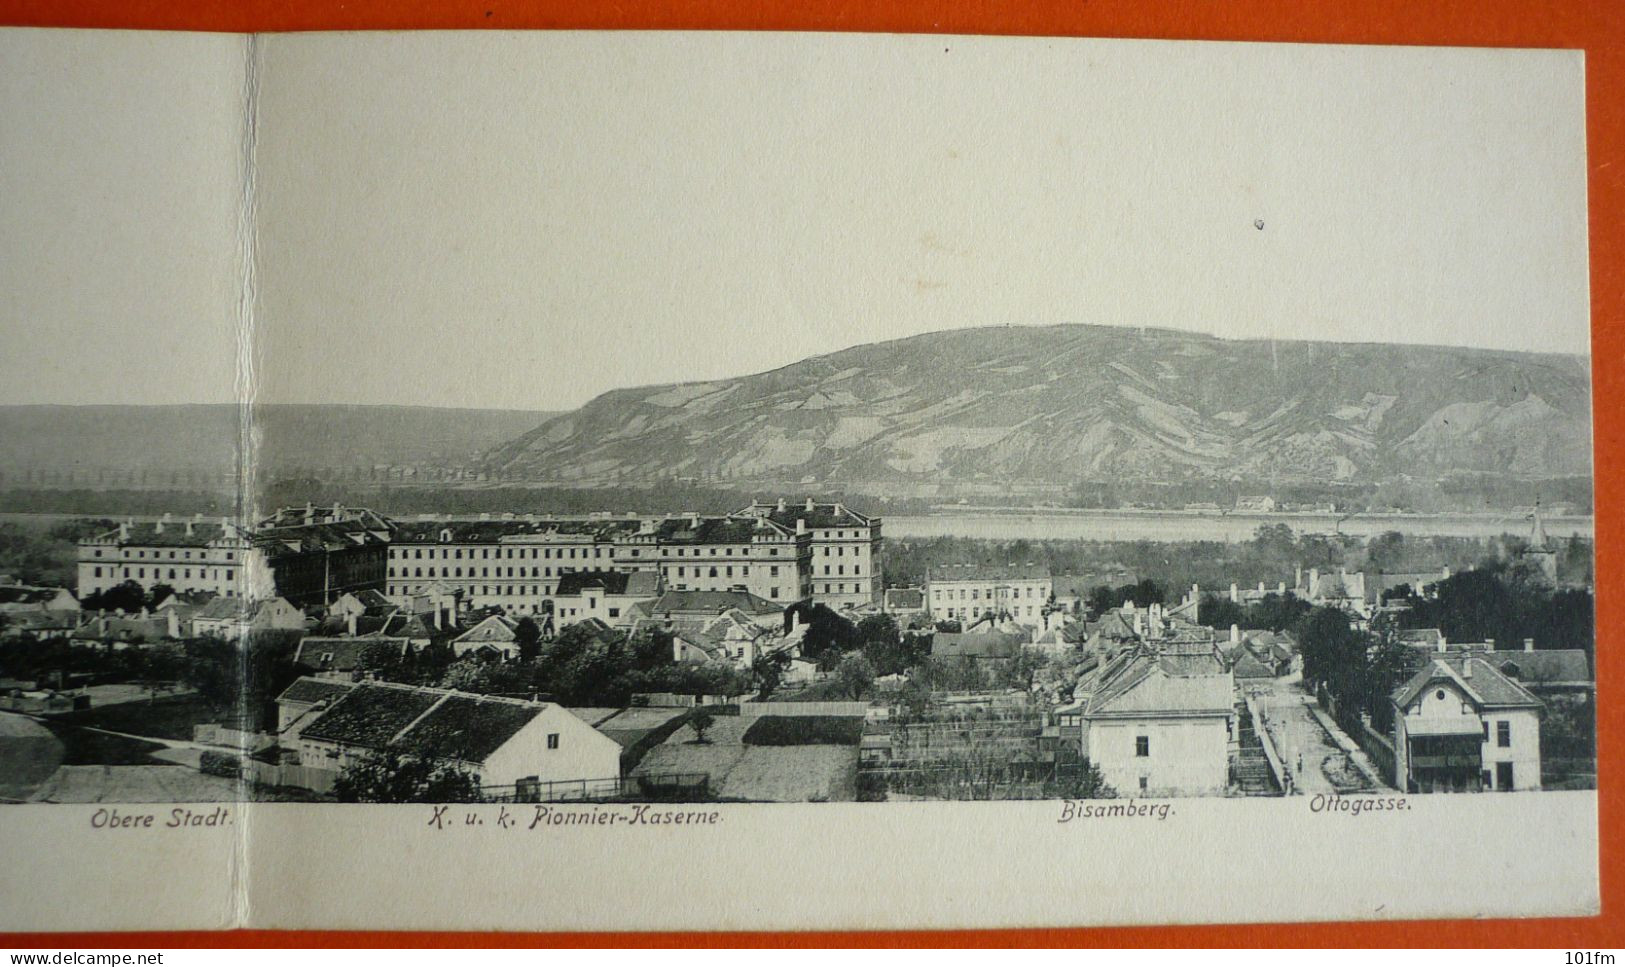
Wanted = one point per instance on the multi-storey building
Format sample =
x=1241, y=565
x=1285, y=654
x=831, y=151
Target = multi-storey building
x=970, y=591
x=317, y=555
x=846, y=548
x=517, y=564
x=1461, y=725
x=754, y=554
x=305, y=556
x=512, y=564
x=187, y=554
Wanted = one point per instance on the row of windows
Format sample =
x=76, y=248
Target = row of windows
x=976, y=612
x=938, y=594
x=184, y=573
x=159, y=555
x=858, y=551
x=535, y=553
x=857, y=569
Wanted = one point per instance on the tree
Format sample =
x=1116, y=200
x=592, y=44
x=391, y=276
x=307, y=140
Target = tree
x=127, y=597
x=1334, y=654
x=1389, y=664
x=387, y=776
x=700, y=721
x=854, y=676
x=1087, y=783
x=159, y=593
x=1217, y=612
x=768, y=671
x=884, y=645
x=527, y=635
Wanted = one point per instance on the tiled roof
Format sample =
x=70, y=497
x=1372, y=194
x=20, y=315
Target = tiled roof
x=988, y=572
x=823, y=515
x=222, y=609
x=314, y=652
x=172, y=533
x=711, y=602
x=1479, y=679
x=1541, y=667
x=718, y=530
x=309, y=691
x=494, y=531
x=573, y=583
x=496, y=628
x=26, y=594
x=993, y=644
x=1144, y=687
x=372, y=714
x=468, y=727
x=1247, y=666
x=905, y=599
x=277, y=542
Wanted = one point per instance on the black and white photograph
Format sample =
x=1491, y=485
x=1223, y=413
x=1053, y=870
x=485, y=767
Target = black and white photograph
x=664, y=427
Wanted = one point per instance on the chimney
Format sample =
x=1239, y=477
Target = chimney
x=810, y=505
x=1529, y=644
x=1492, y=644
x=173, y=622
x=188, y=528
x=1235, y=593
x=1235, y=634
x=801, y=526
x=338, y=510
x=1297, y=580
x=1444, y=643
x=124, y=532
x=1467, y=669
x=349, y=623
x=158, y=528
x=781, y=505
x=1314, y=581
x=1139, y=624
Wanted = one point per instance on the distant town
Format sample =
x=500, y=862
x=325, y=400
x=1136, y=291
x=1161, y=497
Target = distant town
x=783, y=651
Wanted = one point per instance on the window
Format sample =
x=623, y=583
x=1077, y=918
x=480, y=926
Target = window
x=1486, y=731
x=1145, y=783
x=1503, y=734
x=552, y=740
x=1142, y=746
x=1439, y=694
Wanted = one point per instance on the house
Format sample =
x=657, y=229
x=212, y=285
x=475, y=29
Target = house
x=294, y=707
x=502, y=741
x=904, y=602
x=605, y=595
x=232, y=618
x=123, y=631
x=966, y=592
x=1546, y=672
x=39, y=625
x=1155, y=725
x=315, y=555
x=496, y=635
x=1255, y=505
x=1461, y=725
x=28, y=597
x=1072, y=591
x=345, y=657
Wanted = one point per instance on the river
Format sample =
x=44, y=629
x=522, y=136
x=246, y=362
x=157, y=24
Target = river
x=1117, y=525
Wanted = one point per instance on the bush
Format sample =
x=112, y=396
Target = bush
x=220, y=764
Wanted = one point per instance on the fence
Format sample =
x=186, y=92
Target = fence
x=1378, y=748
x=282, y=774
x=679, y=786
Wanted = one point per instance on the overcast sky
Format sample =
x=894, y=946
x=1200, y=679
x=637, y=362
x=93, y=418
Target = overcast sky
x=525, y=221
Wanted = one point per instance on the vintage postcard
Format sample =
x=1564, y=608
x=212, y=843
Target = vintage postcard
x=791, y=481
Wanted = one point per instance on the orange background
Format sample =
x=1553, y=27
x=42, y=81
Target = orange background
x=1598, y=27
